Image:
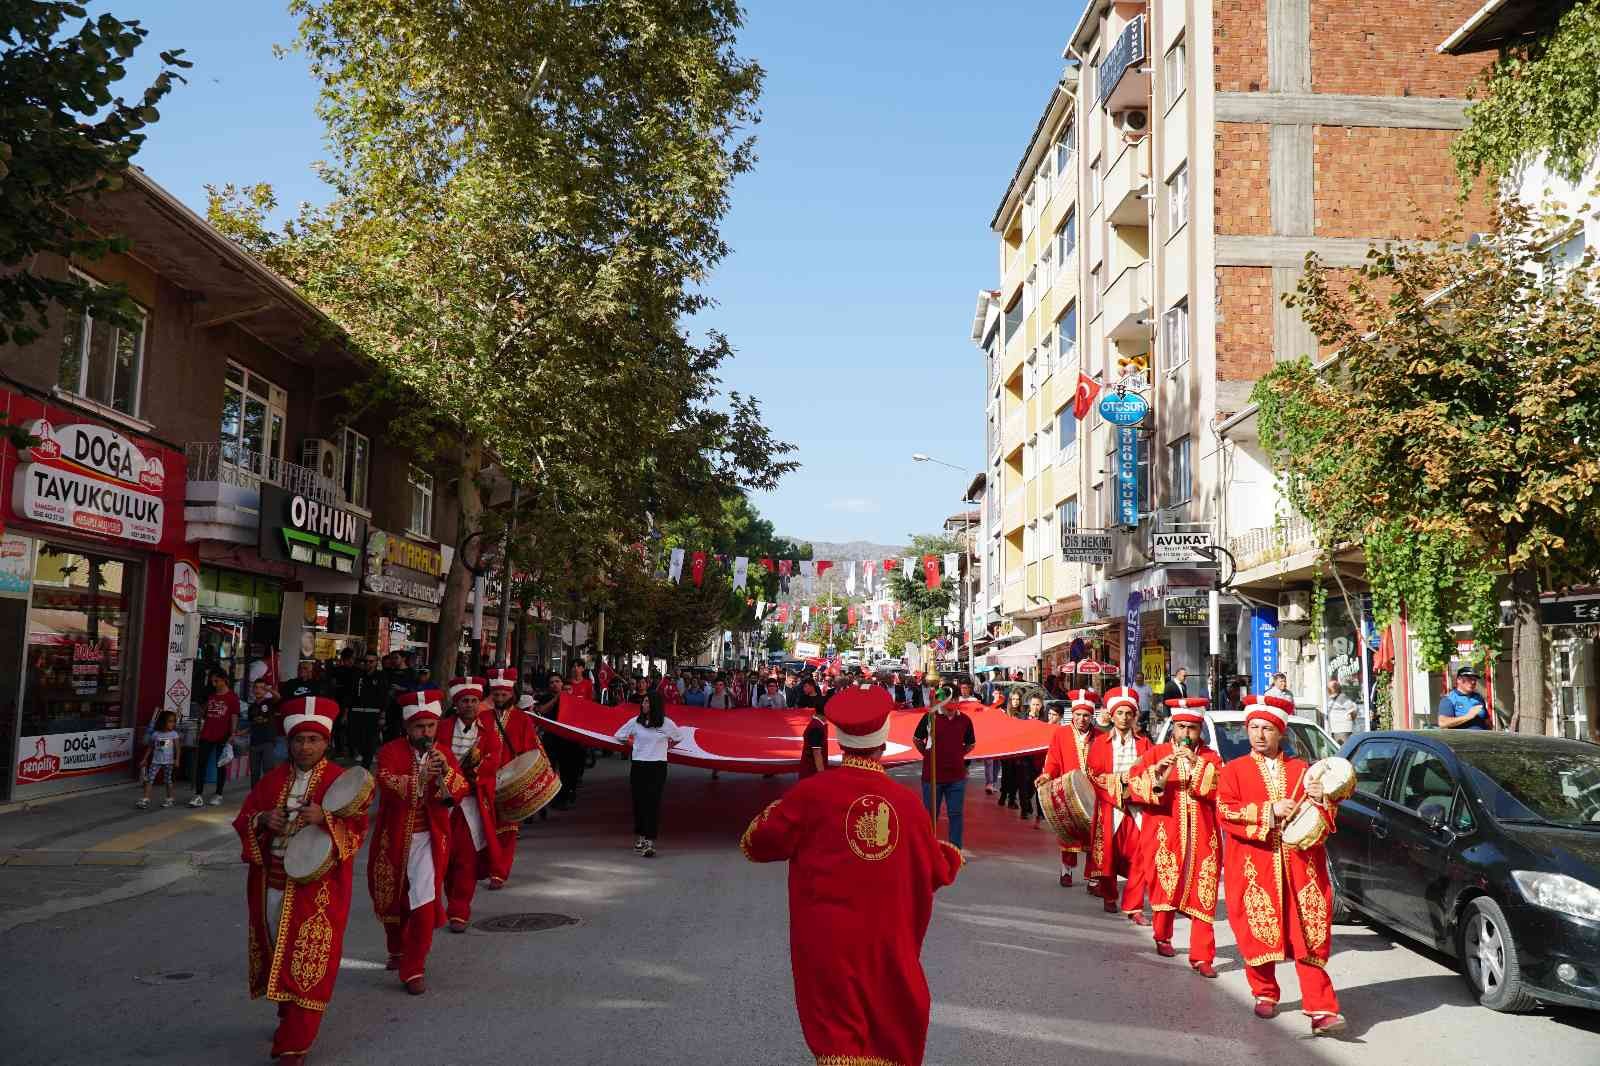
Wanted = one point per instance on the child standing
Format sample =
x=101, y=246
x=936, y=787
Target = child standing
x=161, y=757
x=263, y=729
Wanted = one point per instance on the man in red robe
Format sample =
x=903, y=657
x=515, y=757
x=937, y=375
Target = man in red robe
x=1116, y=844
x=470, y=735
x=297, y=928
x=1176, y=785
x=419, y=783
x=518, y=736
x=1069, y=750
x=1280, y=899
x=863, y=866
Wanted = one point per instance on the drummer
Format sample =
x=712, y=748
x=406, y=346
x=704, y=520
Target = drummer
x=1116, y=844
x=312, y=913
x=1069, y=751
x=475, y=839
x=1176, y=784
x=518, y=736
x=419, y=782
x=1280, y=899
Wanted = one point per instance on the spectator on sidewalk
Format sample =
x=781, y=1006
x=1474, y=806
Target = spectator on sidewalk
x=1280, y=687
x=944, y=764
x=719, y=698
x=262, y=715
x=1342, y=712
x=368, y=698
x=1464, y=707
x=216, y=732
x=342, y=678
x=773, y=697
x=161, y=757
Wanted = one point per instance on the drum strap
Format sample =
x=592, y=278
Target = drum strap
x=503, y=736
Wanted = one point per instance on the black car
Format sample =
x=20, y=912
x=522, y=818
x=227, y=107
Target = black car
x=1485, y=845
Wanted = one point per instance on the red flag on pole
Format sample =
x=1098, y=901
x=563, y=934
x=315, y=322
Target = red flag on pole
x=930, y=570
x=1088, y=389
x=823, y=565
x=767, y=565
x=850, y=616
x=783, y=612
x=889, y=565
x=785, y=567
x=697, y=567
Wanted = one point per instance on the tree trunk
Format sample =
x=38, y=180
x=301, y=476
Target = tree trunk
x=453, y=611
x=1527, y=655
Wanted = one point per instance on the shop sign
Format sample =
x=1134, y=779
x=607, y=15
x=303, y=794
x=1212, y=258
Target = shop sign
x=1086, y=546
x=1153, y=663
x=1124, y=410
x=1264, y=643
x=1561, y=613
x=1130, y=646
x=183, y=635
x=60, y=755
x=91, y=479
x=16, y=566
x=1181, y=548
x=1187, y=612
x=398, y=566
x=310, y=531
x=805, y=649
x=1127, y=476
x=412, y=612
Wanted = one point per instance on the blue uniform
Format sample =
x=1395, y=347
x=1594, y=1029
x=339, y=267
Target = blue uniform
x=1455, y=704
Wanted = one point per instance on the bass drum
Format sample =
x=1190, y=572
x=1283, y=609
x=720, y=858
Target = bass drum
x=523, y=786
x=1067, y=803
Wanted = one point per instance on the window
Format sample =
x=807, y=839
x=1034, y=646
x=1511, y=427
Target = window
x=1047, y=265
x=421, y=503
x=1014, y=317
x=1067, y=237
x=1176, y=72
x=1175, y=336
x=1067, y=336
x=1030, y=213
x=253, y=417
x=1105, y=491
x=1028, y=460
x=1566, y=254
x=1142, y=475
x=79, y=654
x=1030, y=292
x=1424, y=782
x=1066, y=155
x=1372, y=763
x=1067, y=515
x=1182, y=474
x=355, y=456
x=1030, y=542
x=1094, y=183
x=1047, y=184
x=994, y=567
x=1067, y=432
x=1047, y=351
x=1030, y=374
x=1178, y=199
x=102, y=362
x=1097, y=290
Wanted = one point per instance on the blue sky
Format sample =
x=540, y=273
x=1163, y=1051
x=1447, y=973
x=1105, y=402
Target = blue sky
x=860, y=240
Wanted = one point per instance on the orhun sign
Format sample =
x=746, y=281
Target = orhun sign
x=90, y=478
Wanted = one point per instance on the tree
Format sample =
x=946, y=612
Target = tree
x=912, y=593
x=528, y=196
x=1456, y=437
x=64, y=141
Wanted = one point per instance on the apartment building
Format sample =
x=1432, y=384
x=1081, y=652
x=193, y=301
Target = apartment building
x=1198, y=153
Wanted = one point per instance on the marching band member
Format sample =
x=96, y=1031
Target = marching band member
x=1116, y=845
x=864, y=864
x=470, y=736
x=297, y=929
x=1176, y=784
x=418, y=782
x=1069, y=750
x=518, y=736
x=1280, y=899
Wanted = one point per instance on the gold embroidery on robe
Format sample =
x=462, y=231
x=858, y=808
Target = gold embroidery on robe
x=750, y=830
x=313, y=944
x=383, y=887
x=256, y=960
x=1166, y=863
x=1207, y=885
x=1259, y=911
x=1313, y=914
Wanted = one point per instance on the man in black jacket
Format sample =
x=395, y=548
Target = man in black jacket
x=369, y=696
x=342, y=687
x=905, y=695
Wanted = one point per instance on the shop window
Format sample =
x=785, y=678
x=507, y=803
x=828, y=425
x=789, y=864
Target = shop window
x=355, y=457
x=421, y=503
x=78, y=670
x=102, y=362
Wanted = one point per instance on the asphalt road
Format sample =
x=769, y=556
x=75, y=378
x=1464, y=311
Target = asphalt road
x=682, y=959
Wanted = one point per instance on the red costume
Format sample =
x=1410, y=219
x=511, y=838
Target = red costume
x=474, y=834
x=863, y=867
x=405, y=869
x=1069, y=750
x=517, y=735
x=1280, y=898
x=1182, y=854
x=296, y=931
x=1115, y=849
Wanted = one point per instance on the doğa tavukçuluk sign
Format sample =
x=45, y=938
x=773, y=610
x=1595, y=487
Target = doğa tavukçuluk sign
x=91, y=479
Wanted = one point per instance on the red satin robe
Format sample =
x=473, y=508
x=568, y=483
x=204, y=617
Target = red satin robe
x=298, y=970
x=1069, y=750
x=403, y=809
x=469, y=864
x=863, y=867
x=518, y=736
x=1115, y=849
x=1181, y=851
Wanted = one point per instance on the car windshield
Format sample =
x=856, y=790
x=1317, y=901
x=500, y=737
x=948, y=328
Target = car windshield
x=1303, y=741
x=1560, y=786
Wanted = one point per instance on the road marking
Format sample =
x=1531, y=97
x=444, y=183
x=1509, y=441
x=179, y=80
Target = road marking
x=139, y=839
x=361, y=964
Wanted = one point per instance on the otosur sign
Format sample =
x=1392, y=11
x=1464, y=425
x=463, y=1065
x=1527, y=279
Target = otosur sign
x=1124, y=408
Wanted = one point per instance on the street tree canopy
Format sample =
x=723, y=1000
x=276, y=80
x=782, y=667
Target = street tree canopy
x=1456, y=436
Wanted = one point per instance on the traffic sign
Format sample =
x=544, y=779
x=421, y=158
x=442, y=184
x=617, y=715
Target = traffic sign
x=1124, y=408
x=1182, y=548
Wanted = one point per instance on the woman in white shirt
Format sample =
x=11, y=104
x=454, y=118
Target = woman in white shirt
x=652, y=733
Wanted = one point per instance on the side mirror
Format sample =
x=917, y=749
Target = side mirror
x=1434, y=814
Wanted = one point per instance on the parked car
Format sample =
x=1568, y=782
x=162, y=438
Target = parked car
x=1486, y=846
x=1226, y=735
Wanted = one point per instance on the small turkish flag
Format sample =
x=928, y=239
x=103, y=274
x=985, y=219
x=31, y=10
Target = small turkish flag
x=697, y=567
x=1088, y=389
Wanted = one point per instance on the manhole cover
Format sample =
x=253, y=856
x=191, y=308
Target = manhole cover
x=525, y=923
x=168, y=977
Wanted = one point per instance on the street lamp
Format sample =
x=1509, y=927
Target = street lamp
x=966, y=617
x=1036, y=598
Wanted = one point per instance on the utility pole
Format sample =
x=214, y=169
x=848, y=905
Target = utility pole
x=1214, y=611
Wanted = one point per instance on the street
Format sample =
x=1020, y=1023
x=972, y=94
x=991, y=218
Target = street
x=129, y=931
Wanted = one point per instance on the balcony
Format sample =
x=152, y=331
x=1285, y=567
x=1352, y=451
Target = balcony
x=1015, y=514
x=1128, y=186
x=1124, y=80
x=222, y=500
x=1015, y=598
x=1127, y=315
x=1012, y=432
x=1287, y=537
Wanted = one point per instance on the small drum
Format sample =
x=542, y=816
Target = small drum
x=309, y=855
x=523, y=786
x=349, y=794
x=1338, y=778
x=1304, y=827
x=1067, y=803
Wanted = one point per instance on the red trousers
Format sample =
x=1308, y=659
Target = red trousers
x=410, y=941
x=297, y=1029
x=1316, y=991
x=500, y=870
x=462, y=873
x=1202, y=938
x=1069, y=860
x=1125, y=849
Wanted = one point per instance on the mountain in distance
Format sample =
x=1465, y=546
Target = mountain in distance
x=853, y=550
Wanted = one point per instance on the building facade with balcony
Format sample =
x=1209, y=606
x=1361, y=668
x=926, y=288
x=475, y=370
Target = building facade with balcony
x=200, y=498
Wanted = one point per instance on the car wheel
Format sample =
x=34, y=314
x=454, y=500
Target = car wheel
x=1489, y=958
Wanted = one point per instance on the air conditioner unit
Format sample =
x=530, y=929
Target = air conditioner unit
x=1294, y=607
x=321, y=455
x=1133, y=120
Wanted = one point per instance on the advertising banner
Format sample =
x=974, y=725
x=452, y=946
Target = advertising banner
x=62, y=755
x=1264, y=647
x=1127, y=475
